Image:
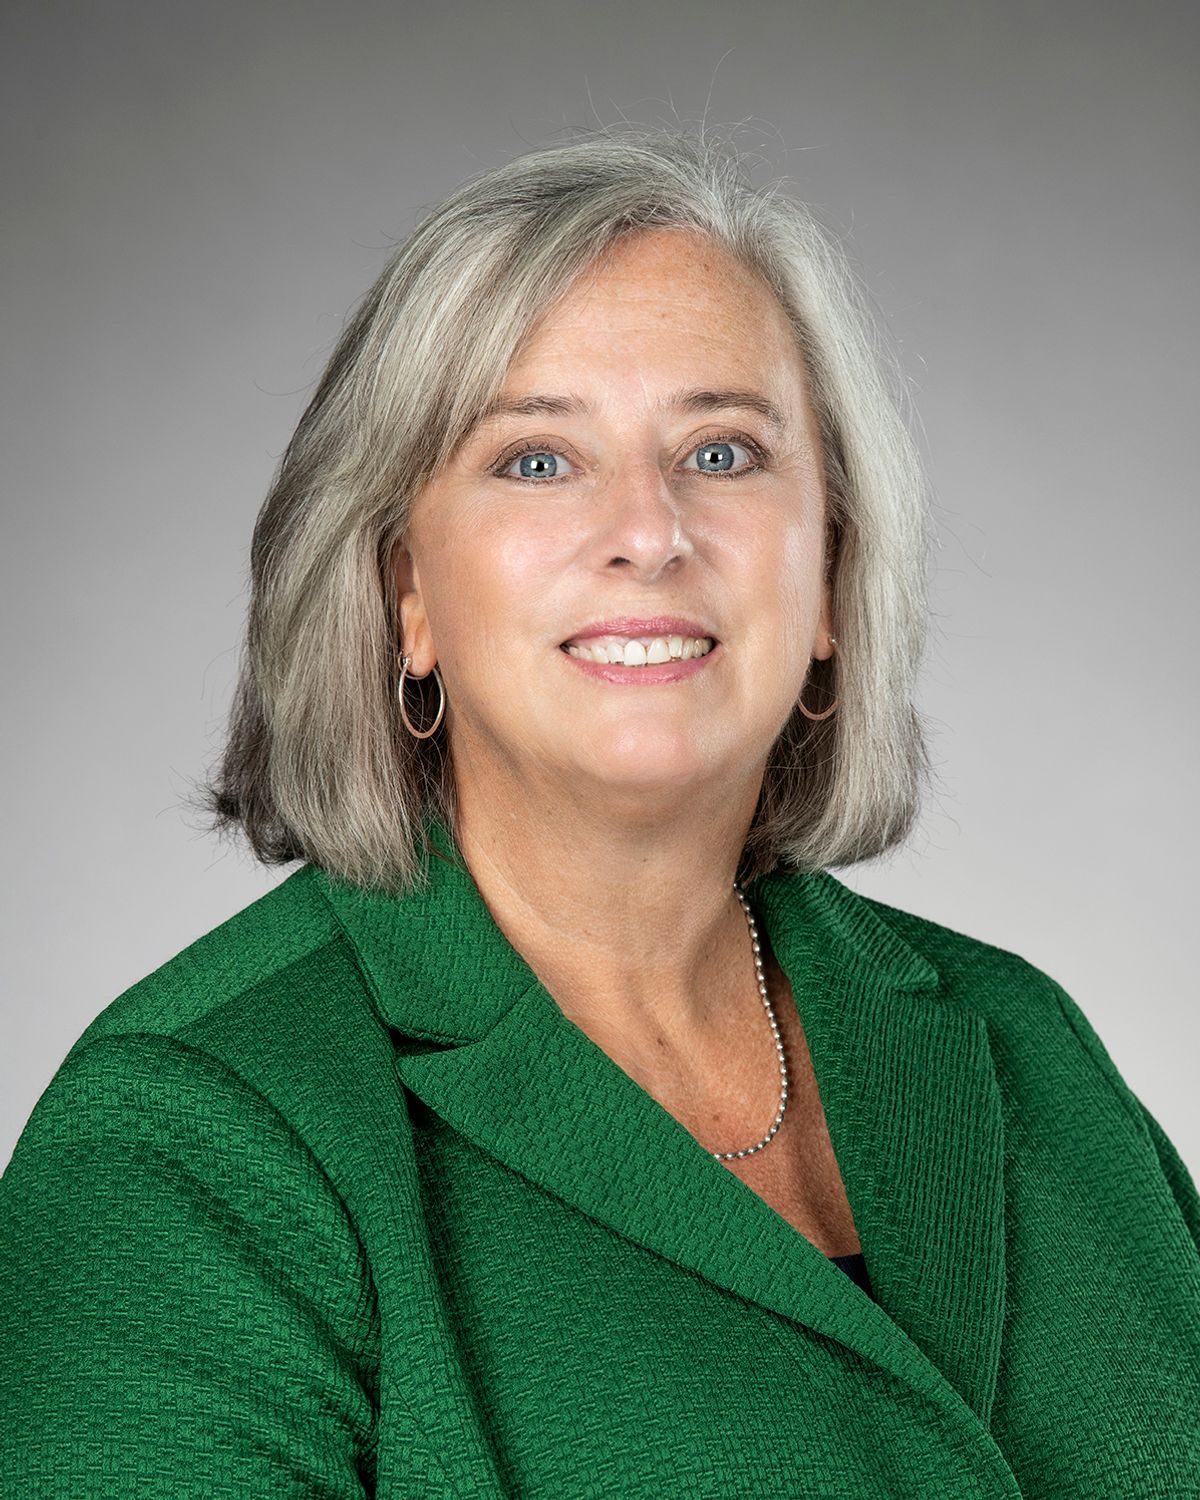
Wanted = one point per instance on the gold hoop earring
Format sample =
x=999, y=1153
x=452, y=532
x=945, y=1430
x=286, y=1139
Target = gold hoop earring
x=420, y=734
x=800, y=701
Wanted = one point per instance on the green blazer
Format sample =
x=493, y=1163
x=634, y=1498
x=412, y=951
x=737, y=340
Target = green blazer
x=338, y=1202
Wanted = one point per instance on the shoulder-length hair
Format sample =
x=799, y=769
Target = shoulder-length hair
x=317, y=764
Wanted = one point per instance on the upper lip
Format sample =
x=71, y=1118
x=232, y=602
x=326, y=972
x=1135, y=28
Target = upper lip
x=657, y=625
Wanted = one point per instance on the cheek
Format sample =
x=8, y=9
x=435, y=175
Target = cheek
x=786, y=583
x=526, y=551
x=500, y=575
x=799, y=575
x=773, y=558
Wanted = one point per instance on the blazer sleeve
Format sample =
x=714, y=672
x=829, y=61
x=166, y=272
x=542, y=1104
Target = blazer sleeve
x=184, y=1305
x=1183, y=1188
x=1176, y=1174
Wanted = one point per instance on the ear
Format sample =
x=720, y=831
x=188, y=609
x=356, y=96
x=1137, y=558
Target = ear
x=415, y=635
x=822, y=650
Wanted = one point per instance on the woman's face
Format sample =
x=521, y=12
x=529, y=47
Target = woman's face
x=641, y=473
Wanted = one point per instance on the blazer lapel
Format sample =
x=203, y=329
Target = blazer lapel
x=906, y=1080
x=914, y=1114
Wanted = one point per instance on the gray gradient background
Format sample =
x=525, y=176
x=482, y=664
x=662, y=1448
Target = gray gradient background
x=196, y=194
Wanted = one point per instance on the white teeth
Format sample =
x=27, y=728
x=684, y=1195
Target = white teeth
x=646, y=651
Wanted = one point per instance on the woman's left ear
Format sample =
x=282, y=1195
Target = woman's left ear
x=822, y=650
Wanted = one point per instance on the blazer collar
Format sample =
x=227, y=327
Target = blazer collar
x=442, y=970
x=905, y=1076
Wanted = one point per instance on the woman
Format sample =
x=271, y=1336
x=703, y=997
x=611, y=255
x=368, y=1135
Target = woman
x=562, y=1126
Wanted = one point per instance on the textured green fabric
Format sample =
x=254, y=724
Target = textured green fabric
x=338, y=1202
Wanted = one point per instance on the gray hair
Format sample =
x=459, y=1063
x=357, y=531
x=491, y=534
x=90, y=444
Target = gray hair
x=317, y=764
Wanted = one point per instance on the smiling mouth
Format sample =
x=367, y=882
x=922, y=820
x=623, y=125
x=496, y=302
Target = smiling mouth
x=639, y=651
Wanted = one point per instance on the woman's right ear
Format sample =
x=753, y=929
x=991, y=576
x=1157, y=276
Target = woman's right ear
x=404, y=570
x=415, y=636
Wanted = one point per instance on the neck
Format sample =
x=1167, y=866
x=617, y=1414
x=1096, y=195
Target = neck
x=630, y=922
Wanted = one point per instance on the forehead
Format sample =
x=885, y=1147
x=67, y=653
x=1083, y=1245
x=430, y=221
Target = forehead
x=668, y=308
x=663, y=277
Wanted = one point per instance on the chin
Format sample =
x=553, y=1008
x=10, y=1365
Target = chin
x=653, y=760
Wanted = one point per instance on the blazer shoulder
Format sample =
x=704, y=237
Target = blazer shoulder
x=974, y=972
x=1021, y=1003
x=1036, y=1018
x=268, y=943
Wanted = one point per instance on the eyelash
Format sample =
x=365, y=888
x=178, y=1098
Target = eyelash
x=757, y=453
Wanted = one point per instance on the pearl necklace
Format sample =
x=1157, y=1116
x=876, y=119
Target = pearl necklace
x=766, y=1000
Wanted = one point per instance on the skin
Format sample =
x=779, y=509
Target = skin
x=603, y=823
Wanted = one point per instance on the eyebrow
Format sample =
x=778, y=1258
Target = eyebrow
x=693, y=399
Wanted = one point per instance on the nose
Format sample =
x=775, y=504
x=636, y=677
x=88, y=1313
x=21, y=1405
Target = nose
x=641, y=523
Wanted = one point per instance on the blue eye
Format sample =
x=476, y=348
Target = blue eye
x=716, y=457
x=535, y=463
